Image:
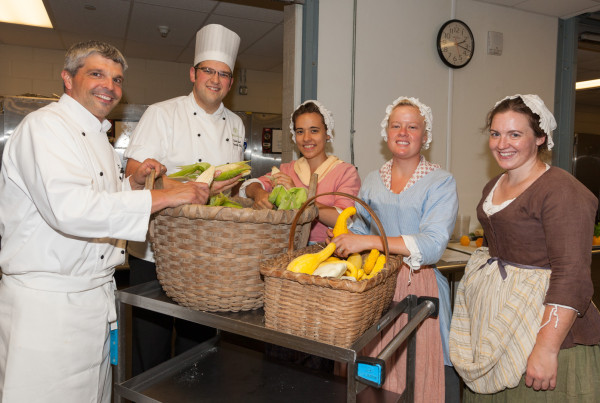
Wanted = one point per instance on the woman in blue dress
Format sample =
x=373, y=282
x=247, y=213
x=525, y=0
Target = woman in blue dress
x=416, y=201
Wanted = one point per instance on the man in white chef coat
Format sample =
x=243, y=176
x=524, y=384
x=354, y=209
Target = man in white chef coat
x=64, y=205
x=176, y=132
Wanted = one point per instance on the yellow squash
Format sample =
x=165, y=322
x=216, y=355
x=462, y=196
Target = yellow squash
x=370, y=261
x=341, y=226
x=378, y=266
x=356, y=260
x=308, y=262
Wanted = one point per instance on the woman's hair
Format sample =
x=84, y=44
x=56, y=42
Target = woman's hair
x=76, y=55
x=308, y=107
x=517, y=105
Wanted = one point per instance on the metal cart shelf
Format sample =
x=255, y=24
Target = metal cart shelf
x=218, y=370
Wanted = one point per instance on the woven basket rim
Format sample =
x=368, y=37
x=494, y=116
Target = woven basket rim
x=243, y=215
x=277, y=267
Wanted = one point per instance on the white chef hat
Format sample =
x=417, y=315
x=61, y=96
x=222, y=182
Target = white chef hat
x=534, y=102
x=327, y=118
x=423, y=109
x=215, y=42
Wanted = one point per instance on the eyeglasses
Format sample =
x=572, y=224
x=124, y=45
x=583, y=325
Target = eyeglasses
x=211, y=72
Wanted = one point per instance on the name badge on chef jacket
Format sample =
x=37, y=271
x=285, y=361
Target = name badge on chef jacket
x=114, y=343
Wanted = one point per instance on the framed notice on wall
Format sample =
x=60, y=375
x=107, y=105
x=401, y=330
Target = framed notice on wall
x=277, y=137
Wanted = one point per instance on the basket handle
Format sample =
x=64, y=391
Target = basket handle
x=356, y=199
x=150, y=180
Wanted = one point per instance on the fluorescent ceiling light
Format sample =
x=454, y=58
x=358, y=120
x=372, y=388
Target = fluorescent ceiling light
x=24, y=12
x=583, y=85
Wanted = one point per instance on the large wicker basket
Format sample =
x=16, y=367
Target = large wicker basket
x=208, y=258
x=332, y=311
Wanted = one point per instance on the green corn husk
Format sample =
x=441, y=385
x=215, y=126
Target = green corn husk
x=231, y=203
x=217, y=200
x=299, y=196
x=283, y=193
x=222, y=200
x=275, y=193
x=286, y=202
x=232, y=170
x=190, y=171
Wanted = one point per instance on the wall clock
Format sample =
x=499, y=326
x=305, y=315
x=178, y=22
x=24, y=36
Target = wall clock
x=455, y=44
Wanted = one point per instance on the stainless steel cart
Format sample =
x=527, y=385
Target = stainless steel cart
x=220, y=371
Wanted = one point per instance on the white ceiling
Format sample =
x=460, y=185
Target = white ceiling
x=132, y=26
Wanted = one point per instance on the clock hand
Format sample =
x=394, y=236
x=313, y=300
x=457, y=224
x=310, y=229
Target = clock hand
x=464, y=47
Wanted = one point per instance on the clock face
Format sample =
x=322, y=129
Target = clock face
x=455, y=44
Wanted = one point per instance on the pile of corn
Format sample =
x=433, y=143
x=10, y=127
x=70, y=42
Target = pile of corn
x=204, y=172
x=324, y=264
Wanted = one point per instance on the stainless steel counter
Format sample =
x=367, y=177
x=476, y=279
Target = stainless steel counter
x=221, y=371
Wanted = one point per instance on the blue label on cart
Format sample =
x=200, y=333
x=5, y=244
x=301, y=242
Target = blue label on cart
x=369, y=372
x=114, y=346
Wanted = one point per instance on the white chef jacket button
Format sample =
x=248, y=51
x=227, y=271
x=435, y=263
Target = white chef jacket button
x=194, y=113
x=199, y=159
x=226, y=139
x=223, y=118
x=102, y=257
x=101, y=173
x=122, y=252
x=199, y=134
x=83, y=133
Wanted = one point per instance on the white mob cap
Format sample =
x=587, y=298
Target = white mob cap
x=423, y=109
x=215, y=42
x=327, y=118
x=537, y=106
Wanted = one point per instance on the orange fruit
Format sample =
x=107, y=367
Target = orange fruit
x=479, y=242
x=465, y=240
x=596, y=240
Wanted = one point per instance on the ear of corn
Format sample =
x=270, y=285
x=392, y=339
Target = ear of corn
x=341, y=226
x=370, y=261
x=299, y=196
x=222, y=200
x=190, y=171
x=232, y=170
x=308, y=262
x=275, y=193
x=285, y=199
x=217, y=200
x=207, y=176
x=286, y=202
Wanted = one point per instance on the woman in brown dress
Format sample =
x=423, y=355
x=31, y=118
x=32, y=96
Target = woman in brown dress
x=524, y=327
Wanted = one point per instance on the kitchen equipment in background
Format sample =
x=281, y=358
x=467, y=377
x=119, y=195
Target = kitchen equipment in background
x=586, y=162
x=13, y=109
x=124, y=118
x=264, y=135
x=461, y=227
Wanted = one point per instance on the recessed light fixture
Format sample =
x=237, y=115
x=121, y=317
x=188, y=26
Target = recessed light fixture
x=586, y=85
x=25, y=12
x=90, y=7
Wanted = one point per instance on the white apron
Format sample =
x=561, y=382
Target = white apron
x=70, y=350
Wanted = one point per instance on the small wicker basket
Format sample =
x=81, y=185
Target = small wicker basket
x=208, y=258
x=332, y=311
